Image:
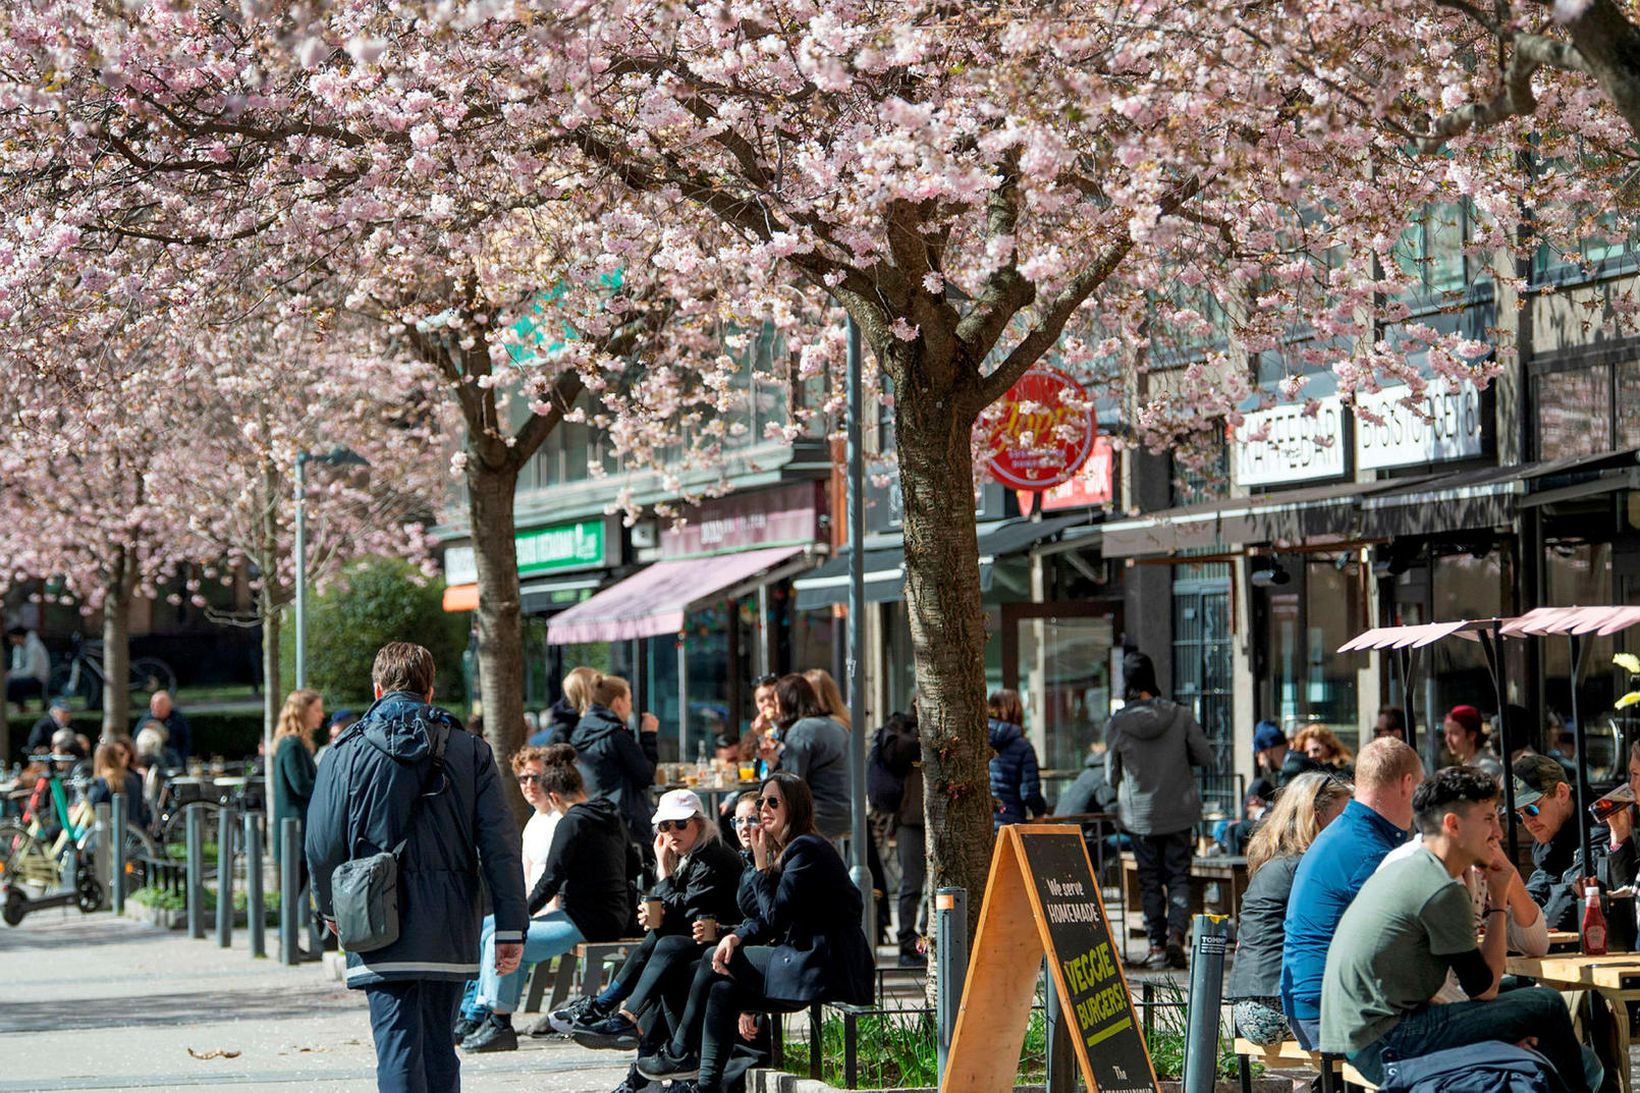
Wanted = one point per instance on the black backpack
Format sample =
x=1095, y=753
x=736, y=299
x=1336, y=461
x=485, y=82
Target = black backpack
x=885, y=787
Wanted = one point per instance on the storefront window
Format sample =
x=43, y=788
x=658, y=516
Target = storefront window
x=1628, y=401
x=1466, y=587
x=1306, y=621
x=1574, y=412
x=1580, y=574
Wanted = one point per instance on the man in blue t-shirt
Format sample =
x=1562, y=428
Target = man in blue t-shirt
x=1335, y=867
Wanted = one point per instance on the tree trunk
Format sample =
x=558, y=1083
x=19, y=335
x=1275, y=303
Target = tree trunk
x=500, y=627
x=948, y=637
x=116, y=697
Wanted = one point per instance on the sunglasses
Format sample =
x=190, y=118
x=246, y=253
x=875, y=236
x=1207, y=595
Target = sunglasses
x=745, y=821
x=1530, y=811
x=770, y=802
x=672, y=825
x=527, y=780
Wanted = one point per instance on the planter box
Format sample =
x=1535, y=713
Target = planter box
x=775, y=1081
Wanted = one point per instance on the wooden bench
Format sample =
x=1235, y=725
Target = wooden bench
x=1337, y=1074
x=591, y=957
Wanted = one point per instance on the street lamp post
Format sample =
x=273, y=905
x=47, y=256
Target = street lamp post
x=857, y=629
x=336, y=457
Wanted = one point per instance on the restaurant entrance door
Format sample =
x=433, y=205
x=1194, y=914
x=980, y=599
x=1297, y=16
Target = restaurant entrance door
x=1058, y=657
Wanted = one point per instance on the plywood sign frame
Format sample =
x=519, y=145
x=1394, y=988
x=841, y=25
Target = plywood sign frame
x=1042, y=898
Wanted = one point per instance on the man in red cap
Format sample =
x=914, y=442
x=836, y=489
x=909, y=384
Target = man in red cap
x=1465, y=734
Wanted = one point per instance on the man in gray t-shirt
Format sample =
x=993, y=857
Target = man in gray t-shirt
x=1411, y=923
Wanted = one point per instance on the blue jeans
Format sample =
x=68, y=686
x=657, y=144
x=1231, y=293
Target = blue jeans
x=548, y=936
x=1511, y=1017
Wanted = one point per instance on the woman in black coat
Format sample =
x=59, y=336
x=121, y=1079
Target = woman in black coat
x=617, y=766
x=803, y=945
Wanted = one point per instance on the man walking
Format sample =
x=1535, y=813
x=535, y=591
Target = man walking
x=1152, y=744
x=382, y=783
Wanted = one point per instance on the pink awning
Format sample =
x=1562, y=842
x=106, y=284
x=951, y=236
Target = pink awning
x=1573, y=620
x=655, y=601
x=1400, y=637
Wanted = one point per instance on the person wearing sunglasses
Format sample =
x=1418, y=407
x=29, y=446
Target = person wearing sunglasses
x=588, y=868
x=804, y=945
x=699, y=874
x=1547, y=808
x=528, y=764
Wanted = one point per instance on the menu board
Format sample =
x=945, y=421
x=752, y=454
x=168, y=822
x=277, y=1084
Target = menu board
x=1087, y=962
x=1041, y=900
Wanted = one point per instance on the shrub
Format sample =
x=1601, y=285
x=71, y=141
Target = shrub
x=373, y=602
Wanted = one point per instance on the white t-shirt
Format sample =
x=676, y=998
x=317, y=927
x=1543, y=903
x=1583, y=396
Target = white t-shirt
x=537, y=842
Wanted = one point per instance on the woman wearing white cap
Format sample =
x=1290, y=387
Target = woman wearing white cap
x=699, y=874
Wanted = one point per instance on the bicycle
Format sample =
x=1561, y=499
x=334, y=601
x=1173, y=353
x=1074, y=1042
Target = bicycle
x=83, y=675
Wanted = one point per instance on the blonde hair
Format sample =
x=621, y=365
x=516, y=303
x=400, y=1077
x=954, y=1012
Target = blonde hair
x=1386, y=761
x=606, y=689
x=1341, y=755
x=578, y=686
x=109, y=765
x=830, y=695
x=293, y=717
x=1294, y=819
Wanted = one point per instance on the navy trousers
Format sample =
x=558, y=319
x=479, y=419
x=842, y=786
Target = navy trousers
x=411, y=1021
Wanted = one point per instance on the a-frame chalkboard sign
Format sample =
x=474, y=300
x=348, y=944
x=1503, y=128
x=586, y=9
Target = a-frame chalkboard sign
x=1042, y=898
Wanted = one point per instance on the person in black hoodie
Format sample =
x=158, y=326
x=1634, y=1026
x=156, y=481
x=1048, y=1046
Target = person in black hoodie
x=616, y=766
x=588, y=868
x=803, y=945
x=559, y=720
x=696, y=891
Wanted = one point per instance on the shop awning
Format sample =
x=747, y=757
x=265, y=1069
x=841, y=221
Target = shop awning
x=885, y=568
x=1288, y=516
x=656, y=600
x=461, y=597
x=1482, y=497
x=556, y=594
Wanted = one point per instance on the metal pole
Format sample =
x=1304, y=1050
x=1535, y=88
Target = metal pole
x=950, y=964
x=196, y=871
x=224, y=878
x=1580, y=650
x=102, y=861
x=256, y=911
x=117, y=822
x=301, y=576
x=1062, y=1069
x=683, y=703
x=290, y=847
x=859, y=833
x=1201, y=1039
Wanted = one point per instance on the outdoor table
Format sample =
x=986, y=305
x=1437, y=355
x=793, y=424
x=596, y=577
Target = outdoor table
x=1615, y=977
x=1217, y=884
x=710, y=795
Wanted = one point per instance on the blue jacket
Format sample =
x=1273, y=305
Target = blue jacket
x=1015, y=782
x=361, y=802
x=618, y=766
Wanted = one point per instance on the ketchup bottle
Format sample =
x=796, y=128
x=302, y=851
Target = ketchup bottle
x=1594, y=923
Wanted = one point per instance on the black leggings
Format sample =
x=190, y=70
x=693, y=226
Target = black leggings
x=743, y=990
x=667, y=972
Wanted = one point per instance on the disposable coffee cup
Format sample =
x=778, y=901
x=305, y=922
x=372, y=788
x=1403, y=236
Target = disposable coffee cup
x=708, y=928
x=653, y=909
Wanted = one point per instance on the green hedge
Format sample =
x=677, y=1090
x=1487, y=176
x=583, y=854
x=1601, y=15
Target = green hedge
x=230, y=736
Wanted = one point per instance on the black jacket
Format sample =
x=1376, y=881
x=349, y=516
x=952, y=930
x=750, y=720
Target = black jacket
x=557, y=726
x=362, y=804
x=1261, y=931
x=617, y=767
x=809, y=910
x=39, y=737
x=1557, y=866
x=136, y=805
x=704, y=885
x=901, y=751
x=588, y=866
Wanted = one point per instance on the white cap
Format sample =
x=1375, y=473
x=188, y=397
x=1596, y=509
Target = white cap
x=678, y=804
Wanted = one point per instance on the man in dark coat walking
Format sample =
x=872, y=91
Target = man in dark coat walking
x=379, y=784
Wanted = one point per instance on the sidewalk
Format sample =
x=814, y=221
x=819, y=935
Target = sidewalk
x=97, y=1002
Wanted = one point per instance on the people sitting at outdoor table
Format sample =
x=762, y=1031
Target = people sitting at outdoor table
x=162, y=711
x=695, y=893
x=112, y=775
x=589, y=866
x=619, y=765
x=1302, y=810
x=1548, y=810
x=1332, y=871
x=1467, y=740
x=812, y=746
x=1274, y=765
x=1622, y=855
x=803, y=945
x=1323, y=749
x=528, y=765
x=1410, y=925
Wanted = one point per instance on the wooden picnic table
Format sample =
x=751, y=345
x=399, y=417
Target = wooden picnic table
x=1615, y=977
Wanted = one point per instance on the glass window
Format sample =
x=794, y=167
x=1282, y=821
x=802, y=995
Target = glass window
x=1466, y=587
x=1306, y=621
x=1064, y=675
x=1628, y=404
x=1574, y=574
x=1574, y=412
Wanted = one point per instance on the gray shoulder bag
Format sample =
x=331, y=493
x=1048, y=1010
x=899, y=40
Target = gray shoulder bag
x=364, y=892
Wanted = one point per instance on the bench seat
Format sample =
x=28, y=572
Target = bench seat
x=1291, y=1054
